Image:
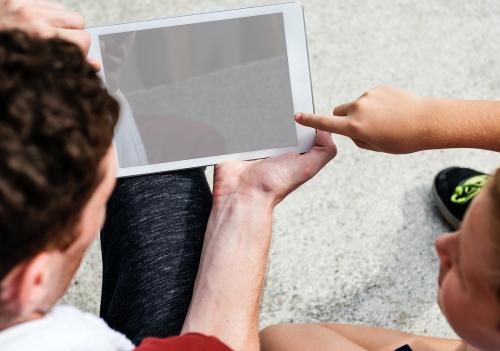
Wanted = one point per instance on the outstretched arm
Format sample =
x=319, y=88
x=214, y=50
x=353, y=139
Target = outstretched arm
x=394, y=121
x=228, y=288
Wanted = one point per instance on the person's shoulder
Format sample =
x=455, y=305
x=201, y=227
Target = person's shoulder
x=64, y=328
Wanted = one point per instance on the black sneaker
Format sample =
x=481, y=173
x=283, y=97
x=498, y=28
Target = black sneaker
x=453, y=190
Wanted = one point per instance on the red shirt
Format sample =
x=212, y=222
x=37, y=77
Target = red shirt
x=186, y=342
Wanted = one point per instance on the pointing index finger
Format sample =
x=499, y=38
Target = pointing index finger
x=332, y=124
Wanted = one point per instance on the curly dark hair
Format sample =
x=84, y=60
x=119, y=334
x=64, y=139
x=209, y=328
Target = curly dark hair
x=56, y=125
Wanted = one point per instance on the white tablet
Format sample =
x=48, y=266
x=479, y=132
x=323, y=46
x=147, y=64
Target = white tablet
x=201, y=89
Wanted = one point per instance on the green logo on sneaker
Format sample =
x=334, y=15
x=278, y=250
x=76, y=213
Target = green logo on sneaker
x=466, y=190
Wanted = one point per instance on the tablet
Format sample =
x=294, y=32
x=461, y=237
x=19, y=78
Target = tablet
x=201, y=89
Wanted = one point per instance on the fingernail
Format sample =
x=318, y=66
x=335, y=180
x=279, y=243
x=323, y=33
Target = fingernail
x=298, y=116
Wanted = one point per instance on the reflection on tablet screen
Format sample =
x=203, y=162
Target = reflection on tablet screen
x=200, y=90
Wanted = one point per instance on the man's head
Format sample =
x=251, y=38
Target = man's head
x=56, y=169
x=469, y=277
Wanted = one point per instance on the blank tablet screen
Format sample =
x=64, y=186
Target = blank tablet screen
x=200, y=90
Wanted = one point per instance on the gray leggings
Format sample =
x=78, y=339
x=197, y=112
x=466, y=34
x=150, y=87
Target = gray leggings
x=151, y=245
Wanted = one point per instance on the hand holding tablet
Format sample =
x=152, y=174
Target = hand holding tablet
x=202, y=89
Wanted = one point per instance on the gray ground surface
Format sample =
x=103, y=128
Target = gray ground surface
x=356, y=243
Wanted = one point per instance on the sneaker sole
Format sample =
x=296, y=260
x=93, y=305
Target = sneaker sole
x=453, y=221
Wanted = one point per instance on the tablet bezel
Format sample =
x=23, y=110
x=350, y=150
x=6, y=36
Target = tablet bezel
x=298, y=63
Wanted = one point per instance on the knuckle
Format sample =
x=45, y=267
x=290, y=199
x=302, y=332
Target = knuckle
x=8, y=5
x=307, y=172
x=79, y=20
x=25, y=13
x=364, y=105
x=359, y=105
x=84, y=40
x=83, y=23
x=46, y=31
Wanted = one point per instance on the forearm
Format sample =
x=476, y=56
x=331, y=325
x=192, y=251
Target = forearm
x=228, y=288
x=461, y=124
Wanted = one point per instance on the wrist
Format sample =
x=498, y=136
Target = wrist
x=425, y=130
x=244, y=196
x=439, y=125
x=240, y=217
